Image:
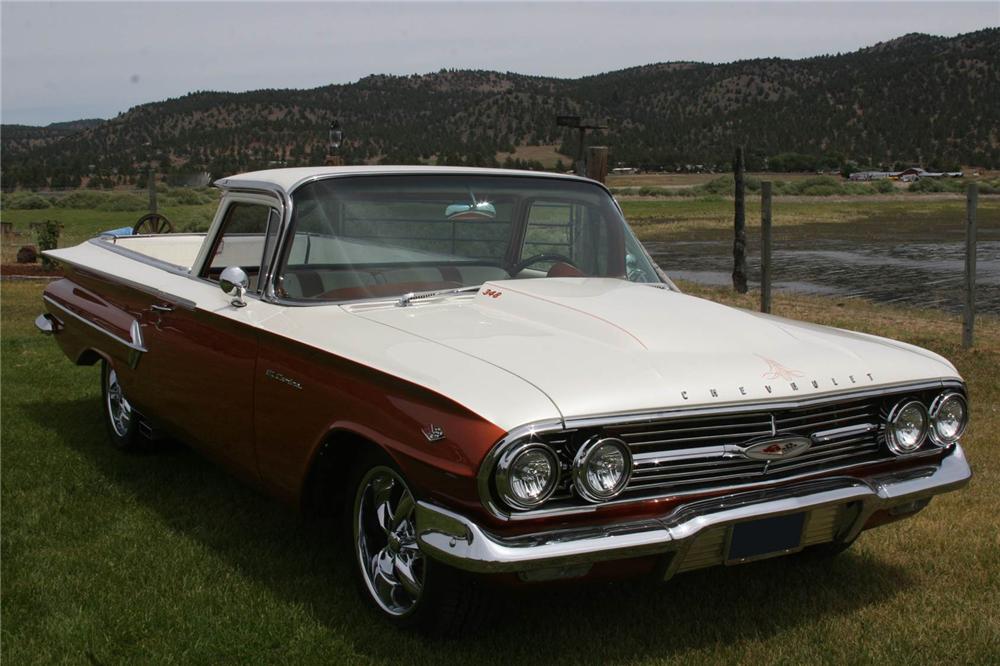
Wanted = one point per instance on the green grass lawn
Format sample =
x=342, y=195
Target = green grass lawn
x=162, y=558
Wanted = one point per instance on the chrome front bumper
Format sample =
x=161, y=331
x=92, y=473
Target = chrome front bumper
x=455, y=540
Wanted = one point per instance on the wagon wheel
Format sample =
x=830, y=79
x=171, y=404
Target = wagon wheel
x=153, y=223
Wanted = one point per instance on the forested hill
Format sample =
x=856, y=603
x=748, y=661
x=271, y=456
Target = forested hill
x=916, y=99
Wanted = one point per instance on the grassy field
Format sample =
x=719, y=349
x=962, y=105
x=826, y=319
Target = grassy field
x=693, y=179
x=81, y=224
x=652, y=219
x=708, y=217
x=548, y=155
x=688, y=179
x=162, y=558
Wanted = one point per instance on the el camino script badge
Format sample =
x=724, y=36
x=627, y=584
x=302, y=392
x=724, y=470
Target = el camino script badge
x=780, y=448
x=277, y=376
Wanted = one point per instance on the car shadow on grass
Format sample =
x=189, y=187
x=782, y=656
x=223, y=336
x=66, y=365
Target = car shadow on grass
x=305, y=565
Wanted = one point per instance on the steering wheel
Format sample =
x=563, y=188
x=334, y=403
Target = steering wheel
x=545, y=256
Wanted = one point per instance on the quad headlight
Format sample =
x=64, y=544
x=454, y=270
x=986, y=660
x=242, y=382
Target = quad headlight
x=906, y=427
x=949, y=415
x=602, y=468
x=527, y=474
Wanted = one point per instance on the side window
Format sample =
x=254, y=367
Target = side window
x=246, y=239
x=571, y=230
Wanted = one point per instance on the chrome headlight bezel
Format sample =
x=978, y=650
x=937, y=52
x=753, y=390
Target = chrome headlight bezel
x=582, y=459
x=505, y=464
x=891, y=438
x=936, y=409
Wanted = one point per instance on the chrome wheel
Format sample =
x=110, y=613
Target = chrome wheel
x=119, y=409
x=391, y=563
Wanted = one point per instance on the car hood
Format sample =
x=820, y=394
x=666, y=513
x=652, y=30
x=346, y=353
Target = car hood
x=599, y=346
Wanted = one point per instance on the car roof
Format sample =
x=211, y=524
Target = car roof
x=286, y=181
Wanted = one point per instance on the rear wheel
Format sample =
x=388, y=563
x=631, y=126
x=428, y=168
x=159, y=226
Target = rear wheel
x=406, y=588
x=121, y=420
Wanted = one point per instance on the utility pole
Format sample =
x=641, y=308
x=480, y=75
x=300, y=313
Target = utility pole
x=739, y=227
x=765, y=246
x=151, y=188
x=582, y=126
x=969, y=309
x=597, y=163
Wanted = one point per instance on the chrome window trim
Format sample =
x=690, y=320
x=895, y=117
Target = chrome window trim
x=262, y=185
x=530, y=430
x=235, y=197
x=286, y=195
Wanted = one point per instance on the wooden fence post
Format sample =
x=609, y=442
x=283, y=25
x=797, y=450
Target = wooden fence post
x=765, y=246
x=739, y=227
x=597, y=163
x=969, y=312
x=151, y=187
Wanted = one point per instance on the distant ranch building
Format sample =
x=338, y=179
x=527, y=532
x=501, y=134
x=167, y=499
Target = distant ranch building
x=906, y=175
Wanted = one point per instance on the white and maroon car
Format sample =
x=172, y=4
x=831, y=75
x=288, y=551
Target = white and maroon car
x=486, y=371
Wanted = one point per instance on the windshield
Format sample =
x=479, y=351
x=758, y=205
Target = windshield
x=386, y=236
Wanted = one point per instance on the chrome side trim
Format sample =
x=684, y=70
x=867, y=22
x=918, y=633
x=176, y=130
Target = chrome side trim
x=574, y=423
x=135, y=345
x=459, y=542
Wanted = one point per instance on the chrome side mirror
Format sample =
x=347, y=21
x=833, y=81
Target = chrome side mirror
x=234, y=282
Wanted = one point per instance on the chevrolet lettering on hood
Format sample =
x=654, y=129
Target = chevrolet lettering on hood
x=493, y=378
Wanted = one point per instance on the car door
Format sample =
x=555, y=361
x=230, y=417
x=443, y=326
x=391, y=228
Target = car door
x=198, y=371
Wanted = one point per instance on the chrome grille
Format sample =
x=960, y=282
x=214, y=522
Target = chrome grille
x=704, y=450
x=689, y=454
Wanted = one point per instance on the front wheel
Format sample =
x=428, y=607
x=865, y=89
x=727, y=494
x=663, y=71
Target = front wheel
x=406, y=588
x=121, y=420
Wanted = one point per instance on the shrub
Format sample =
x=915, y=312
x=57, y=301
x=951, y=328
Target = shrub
x=818, y=186
x=938, y=185
x=47, y=236
x=986, y=187
x=198, y=224
x=189, y=197
x=25, y=201
x=82, y=199
x=124, y=202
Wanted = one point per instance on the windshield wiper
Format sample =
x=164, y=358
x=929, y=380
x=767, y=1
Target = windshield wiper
x=406, y=299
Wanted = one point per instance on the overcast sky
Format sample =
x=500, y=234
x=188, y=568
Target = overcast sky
x=63, y=61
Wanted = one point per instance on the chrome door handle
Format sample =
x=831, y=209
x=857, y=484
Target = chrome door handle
x=155, y=307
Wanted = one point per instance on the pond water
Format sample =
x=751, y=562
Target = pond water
x=900, y=269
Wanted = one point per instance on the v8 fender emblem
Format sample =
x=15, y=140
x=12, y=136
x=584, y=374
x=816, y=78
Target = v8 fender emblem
x=432, y=432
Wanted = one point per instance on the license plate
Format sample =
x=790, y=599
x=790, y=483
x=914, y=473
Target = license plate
x=757, y=539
